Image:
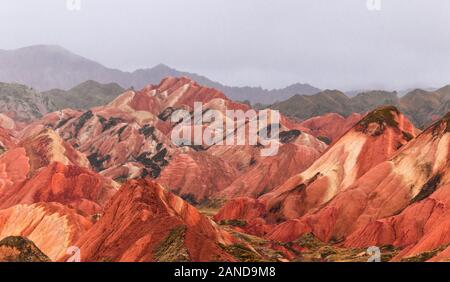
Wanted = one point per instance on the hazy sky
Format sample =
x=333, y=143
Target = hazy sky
x=271, y=43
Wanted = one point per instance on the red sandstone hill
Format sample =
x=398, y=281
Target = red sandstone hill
x=373, y=140
x=400, y=186
x=173, y=93
x=7, y=123
x=7, y=133
x=255, y=174
x=7, y=140
x=196, y=176
x=46, y=147
x=53, y=227
x=330, y=127
x=424, y=224
x=117, y=143
x=144, y=222
x=130, y=139
x=297, y=152
x=44, y=168
x=70, y=185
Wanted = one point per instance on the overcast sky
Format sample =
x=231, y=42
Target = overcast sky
x=270, y=43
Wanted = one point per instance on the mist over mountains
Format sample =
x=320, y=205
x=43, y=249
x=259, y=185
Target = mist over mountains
x=61, y=79
x=47, y=67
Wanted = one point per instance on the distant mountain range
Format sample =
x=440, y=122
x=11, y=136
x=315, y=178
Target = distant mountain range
x=22, y=103
x=84, y=96
x=419, y=105
x=47, y=67
x=333, y=101
x=25, y=104
x=62, y=79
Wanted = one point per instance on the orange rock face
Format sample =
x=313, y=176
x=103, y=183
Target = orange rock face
x=373, y=140
x=70, y=185
x=250, y=210
x=423, y=223
x=51, y=226
x=401, y=185
x=7, y=123
x=112, y=137
x=174, y=92
x=241, y=208
x=130, y=138
x=47, y=147
x=196, y=176
x=149, y=223
x=7, y=139
x=332, y=126
x=270, y=172
x=14, y=168
x=43, y=168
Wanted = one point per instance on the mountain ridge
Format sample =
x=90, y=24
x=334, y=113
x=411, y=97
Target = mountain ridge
x=47, y=67
x=421, y=106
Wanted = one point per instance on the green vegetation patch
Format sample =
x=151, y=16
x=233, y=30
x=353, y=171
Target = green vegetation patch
x=318, y=251
x=407, y=136
x=382, y=116
x=309, y=241
x=234, y=222
x=324, y=139
x=172, y=248
x=428, y=188
x=27, y=250
x=422, y=257
x=444, y=122
x=242, y=253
